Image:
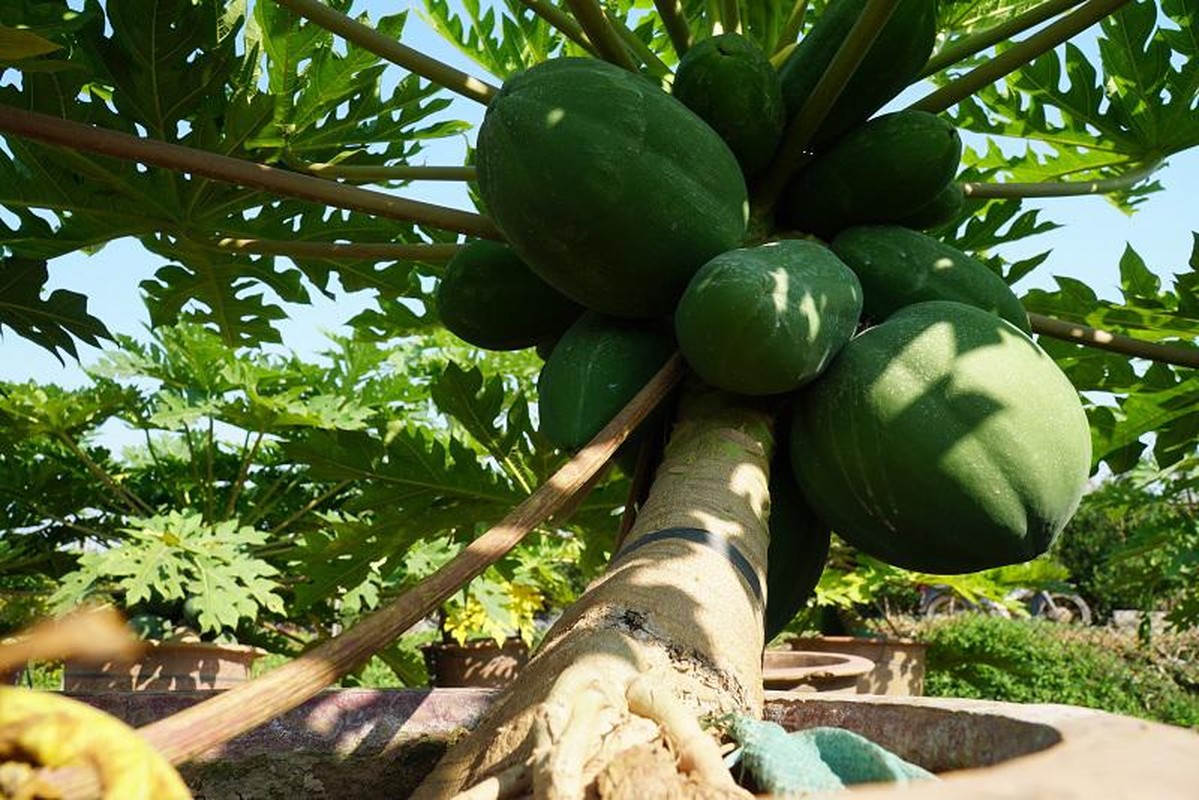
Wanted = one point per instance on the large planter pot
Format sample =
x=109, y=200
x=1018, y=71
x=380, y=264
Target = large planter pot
x=372, y=744
x=165, y=666
x=477, y=663
x=898, y=664
x=806, y=671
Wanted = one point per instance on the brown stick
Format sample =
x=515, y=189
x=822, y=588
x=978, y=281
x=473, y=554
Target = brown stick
x=1114, y=342
x=385, y=47
x=203, y=726
x=89, y=138
x=339, y=250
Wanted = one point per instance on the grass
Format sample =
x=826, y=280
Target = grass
x=1028, y=661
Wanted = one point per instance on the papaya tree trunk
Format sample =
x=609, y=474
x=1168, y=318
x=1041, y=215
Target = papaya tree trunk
x=672, y=632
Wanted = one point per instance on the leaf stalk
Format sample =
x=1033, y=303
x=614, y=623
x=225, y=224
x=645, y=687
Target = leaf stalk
x=562, y=22
x=594, y=22
x=792, y=154
x=399, y=54
x=1061, y=188
x=341, y=251
x=671, y=12
x=1017, y=56
x=1114, y=342
x=977, y=42
x=399, y=172
x=89, y=138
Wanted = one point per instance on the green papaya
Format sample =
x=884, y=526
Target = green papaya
x=610, y=189
x=730, y=83
x=941, y=210
x=881, y=172
x=799, y=544
x=488, y=297
x=893, y=61
x=943, y=440
x=899, y=267
x=595, y=369
x=767, y=319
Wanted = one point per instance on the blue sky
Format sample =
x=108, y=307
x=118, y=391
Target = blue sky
x=1087, y=247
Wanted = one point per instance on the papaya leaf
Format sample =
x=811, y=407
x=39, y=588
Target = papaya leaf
x=17, y=44
x=53, y=322
x=1089, y=125
x=503, y=38
x=483, y=408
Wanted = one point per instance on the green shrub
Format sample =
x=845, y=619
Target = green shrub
x=1024, y=661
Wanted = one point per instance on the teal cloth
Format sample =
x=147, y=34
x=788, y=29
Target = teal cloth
x=814, y=759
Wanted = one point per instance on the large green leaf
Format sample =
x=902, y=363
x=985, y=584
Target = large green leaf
x=1090, y=125
x=54, y=322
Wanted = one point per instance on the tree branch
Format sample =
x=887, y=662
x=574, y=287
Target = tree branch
x=341, y=251
x=591, y=17
x=1114, y=342
x=1061, y=188
x=809, y=117
x=1017, y=56
x=671, y=12
x=89, y=138
x=385, y=47
x=976, y=43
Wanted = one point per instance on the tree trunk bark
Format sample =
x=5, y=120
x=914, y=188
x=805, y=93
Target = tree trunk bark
x=670, y=633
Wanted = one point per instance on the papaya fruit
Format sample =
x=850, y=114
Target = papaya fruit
x=799, y=544
x=611, y=190
x=941, y=210
x=943, y=440
x=881, y=172
x=899, y=267
x=595, y=369
x=893, y=61
x=767, y=319
x=730, y=83
x=488, y=297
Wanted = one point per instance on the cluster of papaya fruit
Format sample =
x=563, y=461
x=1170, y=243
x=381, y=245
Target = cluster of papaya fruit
x=924, y=424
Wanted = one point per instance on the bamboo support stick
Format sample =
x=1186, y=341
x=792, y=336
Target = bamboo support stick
x=671, y=12
x=205, y=725
x=89, y=138
x=561, y=21
x=976, y=43
x=1114, y=342
x=813, y=112
x=1061, y=188
x=591, y=17
x=385, y=47
x=383, y=251
x=399, y=172
x=1017, y=56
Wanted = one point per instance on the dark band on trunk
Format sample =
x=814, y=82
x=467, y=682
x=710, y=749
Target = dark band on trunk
x=708, y=539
